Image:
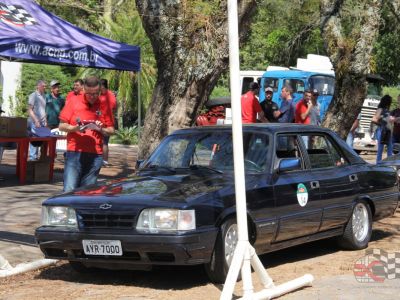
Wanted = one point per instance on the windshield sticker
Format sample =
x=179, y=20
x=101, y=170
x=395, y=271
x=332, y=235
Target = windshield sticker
x=302, y=194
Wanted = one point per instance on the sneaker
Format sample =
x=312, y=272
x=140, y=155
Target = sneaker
x=105, y=163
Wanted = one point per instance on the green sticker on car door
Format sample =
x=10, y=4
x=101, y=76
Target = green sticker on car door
x=302, y=194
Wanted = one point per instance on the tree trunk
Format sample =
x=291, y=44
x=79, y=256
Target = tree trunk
x=108, y=14
x=350, y=51
x=190, y=44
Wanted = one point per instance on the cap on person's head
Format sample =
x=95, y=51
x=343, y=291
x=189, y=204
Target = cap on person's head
x=254, y=86
x=269, y=90
x=315, y=92
x=54, y=82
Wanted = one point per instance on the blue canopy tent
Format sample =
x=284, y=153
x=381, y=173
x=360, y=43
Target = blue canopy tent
x=30, y=33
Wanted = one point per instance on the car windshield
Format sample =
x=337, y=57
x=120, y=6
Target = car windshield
x=209, y=151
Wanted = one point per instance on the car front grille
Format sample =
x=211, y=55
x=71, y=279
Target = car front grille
x=105, y=220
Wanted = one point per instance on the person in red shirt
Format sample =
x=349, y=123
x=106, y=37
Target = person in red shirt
x=86, y=121
x=251, y=107
x=76, y=90
x=108, y=98
x=303, y=109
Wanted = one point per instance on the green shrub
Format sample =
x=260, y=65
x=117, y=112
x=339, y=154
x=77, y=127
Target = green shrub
x=125, y=136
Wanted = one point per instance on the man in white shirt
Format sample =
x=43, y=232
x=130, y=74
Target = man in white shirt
x=37, y=114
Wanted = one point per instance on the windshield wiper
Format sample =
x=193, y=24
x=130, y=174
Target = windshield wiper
x=157, y=167
x=201, y=167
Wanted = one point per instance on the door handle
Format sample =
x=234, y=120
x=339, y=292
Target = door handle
x=353, y=177
x=314, y=184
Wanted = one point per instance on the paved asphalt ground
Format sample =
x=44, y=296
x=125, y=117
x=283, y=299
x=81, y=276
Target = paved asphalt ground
x=20, y=208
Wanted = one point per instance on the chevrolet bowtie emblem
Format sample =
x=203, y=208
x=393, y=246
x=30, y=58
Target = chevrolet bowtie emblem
x=105, y=206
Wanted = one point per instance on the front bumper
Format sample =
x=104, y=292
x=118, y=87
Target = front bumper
x=140, y=251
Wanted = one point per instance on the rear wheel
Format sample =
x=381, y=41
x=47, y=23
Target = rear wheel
x=357, y=233
x=225, y=246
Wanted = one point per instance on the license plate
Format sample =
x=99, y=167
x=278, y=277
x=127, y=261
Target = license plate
x=102, y=247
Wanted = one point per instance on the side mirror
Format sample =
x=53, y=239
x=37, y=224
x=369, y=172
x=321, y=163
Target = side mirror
x=289, y=164
x=139, y=163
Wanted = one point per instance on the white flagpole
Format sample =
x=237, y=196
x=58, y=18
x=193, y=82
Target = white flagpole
x=245, y=255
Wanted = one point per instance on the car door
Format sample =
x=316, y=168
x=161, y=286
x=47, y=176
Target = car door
x=296, y=193
x=259, y=192
x=336, y=177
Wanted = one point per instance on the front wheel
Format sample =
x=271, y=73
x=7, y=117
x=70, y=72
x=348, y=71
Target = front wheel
x=225, y=246
x=357, y=233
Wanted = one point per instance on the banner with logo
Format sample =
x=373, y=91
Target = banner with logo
x=30, y=33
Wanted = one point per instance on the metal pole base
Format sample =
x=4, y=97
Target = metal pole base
x=245, y=256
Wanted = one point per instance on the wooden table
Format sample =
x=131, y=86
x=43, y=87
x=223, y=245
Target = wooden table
x=48, y=150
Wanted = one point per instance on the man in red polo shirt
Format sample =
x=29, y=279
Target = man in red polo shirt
x=303, y=109
x=251, y=107
x=86, y=121
x=76, y=90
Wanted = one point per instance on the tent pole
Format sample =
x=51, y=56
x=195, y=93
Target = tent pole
x=139, y=106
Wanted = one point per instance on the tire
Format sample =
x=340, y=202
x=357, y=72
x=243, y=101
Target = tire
x=357, y=233
x=80, y=267
x=225, y=245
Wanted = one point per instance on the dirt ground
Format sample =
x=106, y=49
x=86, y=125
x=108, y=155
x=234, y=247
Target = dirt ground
x=322, y=259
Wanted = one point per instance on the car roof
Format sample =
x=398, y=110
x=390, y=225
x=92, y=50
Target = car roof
x=268, y=127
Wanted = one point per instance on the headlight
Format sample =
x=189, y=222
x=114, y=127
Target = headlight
x=157, y=220
x=58, y=216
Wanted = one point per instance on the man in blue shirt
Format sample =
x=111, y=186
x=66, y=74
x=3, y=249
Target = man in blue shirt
x=285, y=114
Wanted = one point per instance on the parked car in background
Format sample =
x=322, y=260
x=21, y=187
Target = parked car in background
x=303, y=183
x=217, y=110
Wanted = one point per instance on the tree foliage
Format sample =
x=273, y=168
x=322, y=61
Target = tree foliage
x=281, y=32
x=387, y=50
x=86, y=14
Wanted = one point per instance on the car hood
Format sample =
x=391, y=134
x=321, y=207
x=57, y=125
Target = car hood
x=141, y=190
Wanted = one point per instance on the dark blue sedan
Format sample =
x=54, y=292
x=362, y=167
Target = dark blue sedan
x=303, y=184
